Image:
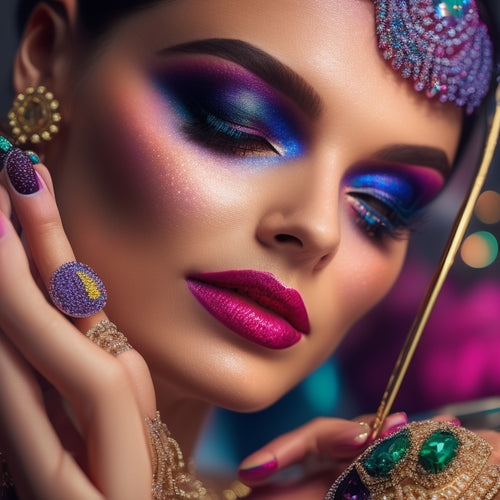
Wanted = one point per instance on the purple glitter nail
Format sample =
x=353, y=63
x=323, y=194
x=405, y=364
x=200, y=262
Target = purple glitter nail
x=21, y=173
x=77, y=291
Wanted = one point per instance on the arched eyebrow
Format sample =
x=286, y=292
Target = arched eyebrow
x=262, y=64
x=424, y=156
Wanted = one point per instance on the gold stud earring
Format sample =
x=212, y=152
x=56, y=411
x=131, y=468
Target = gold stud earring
x=34, y=116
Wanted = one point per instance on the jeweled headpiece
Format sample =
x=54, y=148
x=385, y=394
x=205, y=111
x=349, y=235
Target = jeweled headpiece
x=440, y=45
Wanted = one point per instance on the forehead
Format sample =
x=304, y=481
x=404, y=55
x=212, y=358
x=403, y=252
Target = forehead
x=330, y=43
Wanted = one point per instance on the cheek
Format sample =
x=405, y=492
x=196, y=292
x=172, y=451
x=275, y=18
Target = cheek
x=138, y=168
x=367, y=270
x=373, y=273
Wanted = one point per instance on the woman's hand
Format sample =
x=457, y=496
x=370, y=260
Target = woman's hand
x=303, y=463
x=97, y=447
x=323, y=449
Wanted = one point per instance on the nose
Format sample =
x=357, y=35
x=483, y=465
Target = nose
x=304, y=221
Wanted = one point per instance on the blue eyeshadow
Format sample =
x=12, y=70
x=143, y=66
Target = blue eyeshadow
x=236, y=100
x=396, y=189
x=389, y=199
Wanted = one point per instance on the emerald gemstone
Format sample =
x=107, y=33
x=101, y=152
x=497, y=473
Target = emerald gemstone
x=387, y=454
x=5, y=145
x=438, y=451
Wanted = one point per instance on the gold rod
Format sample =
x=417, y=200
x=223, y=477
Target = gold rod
x=453, y=244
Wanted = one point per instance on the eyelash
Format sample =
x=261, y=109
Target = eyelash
x=224, y=137
x=378, y=217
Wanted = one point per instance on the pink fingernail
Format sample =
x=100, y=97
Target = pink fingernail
x=455, y=421
x=392, y=430
x=260, y=471
x=393, y=423
x=396, y=419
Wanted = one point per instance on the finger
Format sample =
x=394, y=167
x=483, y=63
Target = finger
x=37, y=212
x=323, y=438
x=33, y=199
x=108, y=413
x=26, y=427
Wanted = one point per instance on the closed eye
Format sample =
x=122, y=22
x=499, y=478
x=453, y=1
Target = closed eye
x=224, y=137
x=378, y=217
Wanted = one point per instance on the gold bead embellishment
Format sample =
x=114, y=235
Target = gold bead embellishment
x=172, y=479
x=426, y=460
x=106, y=335
x=34, y=116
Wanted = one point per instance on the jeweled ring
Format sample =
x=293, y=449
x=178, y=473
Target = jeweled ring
x=106, y=335
x=426, y=460
x=76, y=290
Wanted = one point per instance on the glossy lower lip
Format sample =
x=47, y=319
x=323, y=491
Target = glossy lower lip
x=254, y=305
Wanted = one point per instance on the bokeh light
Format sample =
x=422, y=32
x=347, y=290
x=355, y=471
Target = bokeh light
x=488, y=207
x=479, y=250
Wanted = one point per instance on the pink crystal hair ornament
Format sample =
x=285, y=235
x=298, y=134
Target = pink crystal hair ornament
x=442, y=46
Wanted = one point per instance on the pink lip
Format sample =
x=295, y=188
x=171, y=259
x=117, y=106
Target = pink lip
x=254, y=305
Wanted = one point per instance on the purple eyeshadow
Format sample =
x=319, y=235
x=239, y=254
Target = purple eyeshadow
x=234, y=98
x=389, y=199
x=408, y=187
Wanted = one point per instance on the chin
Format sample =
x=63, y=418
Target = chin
x=245, y=403
x=248, y=395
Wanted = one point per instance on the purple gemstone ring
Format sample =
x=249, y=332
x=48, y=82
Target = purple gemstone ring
x=77, y=291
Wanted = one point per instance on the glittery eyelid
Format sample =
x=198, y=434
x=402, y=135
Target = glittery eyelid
x=396, y=222
x=378, y=194
x=200, y=94
x=212, y=120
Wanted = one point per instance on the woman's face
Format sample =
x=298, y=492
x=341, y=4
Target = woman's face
x=286, y=146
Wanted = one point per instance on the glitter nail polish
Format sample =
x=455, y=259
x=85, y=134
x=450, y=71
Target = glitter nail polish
x=21, y=173
x=5, y=147
x=260, y=471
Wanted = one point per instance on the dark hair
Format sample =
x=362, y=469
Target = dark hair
x=94, y=16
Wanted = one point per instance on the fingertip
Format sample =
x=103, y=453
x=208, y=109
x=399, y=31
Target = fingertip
x=258, y=466
x=20, y=172
x=348, y=437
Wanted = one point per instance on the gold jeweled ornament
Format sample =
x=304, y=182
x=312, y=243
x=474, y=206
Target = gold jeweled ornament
x=172, y=479
x=34, y=116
